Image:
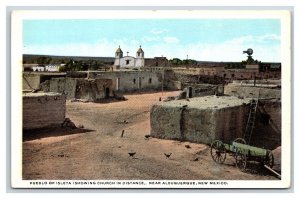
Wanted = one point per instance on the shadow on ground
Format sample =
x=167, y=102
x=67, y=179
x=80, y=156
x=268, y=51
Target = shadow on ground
x=35, y=134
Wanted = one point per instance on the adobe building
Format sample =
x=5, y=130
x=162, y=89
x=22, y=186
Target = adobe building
x=32, y=80
x=204, y=119
x=42, y=110
x=200, y=119
x=91, y=90
x=129, y=81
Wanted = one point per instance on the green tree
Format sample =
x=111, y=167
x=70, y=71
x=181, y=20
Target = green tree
x=175, y=61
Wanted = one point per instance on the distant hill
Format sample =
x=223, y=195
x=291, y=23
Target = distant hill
x=31, y=59
x=55, y=59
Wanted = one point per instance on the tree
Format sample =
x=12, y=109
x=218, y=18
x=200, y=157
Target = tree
x=175, y=61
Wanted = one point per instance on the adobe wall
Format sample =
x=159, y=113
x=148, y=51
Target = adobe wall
x=203, y=120
x=264, y=82
x=181, y=75
x=200, y=90
x=93, y=89
x=43, y=110
x=244, y=91
x=268, y=124
x=63, y=85
x=156, y=62
x=79, y=88
x=30, y=81
x=128, y=81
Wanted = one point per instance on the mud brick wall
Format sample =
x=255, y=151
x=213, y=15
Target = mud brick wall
x=267, y=131
x=231, y=122
x=131, y=81
x=33, y=80
x=43, y=110
x=79, y=88
x=93, y=89
x=30, y=81
x=63, y=85
x=201, y=125
x=244, y=91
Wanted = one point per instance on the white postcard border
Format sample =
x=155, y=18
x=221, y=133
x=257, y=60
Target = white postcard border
x=16, y=95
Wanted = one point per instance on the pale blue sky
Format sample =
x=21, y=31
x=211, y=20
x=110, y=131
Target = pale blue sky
x=201, y=39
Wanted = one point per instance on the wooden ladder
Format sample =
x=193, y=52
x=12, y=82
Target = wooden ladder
x=251, y=119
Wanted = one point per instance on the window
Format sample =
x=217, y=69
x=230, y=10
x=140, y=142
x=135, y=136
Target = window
x=139, y=54
x=150, y=80
x=134, y=81
x=127, y=62
x=265, y=118
x=156, y=64
x=232, y=75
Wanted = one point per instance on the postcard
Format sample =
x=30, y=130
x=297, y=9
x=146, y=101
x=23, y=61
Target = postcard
x=151, y=99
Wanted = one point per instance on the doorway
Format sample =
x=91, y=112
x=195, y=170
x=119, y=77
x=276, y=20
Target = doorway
x=107, y=91
x=190, y=92
x=140, y=82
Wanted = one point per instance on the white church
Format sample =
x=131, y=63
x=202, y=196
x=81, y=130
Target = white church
x=129, y=61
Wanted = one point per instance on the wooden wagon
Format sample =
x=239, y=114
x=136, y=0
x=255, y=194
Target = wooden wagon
x=242, y=153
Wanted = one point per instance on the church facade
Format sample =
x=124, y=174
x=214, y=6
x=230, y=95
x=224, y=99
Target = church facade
x=129, y=61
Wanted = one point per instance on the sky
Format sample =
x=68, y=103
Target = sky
x=199, y=39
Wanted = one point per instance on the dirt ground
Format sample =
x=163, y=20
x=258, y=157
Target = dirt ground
x=98, y=151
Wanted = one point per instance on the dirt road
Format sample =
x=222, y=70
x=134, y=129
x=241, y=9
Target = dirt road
x=99, y=152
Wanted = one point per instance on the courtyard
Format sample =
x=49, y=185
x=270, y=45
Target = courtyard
x=99, y=150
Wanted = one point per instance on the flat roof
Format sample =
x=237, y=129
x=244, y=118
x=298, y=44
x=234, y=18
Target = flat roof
x=45, y=73
x=40, y=94
x=207, y=102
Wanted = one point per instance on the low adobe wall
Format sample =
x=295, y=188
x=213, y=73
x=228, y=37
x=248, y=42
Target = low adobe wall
x=80, y=88
x=245, y=91
x=30, y=81
x=43, y=110
x=201, y=119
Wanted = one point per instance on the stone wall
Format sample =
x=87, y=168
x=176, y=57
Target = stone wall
x=200, y=120
x=245, y=91
x=43, y=110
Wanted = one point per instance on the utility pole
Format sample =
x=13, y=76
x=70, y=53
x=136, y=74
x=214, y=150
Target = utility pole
x=163, y=78
x=162, y=83
x=187, y=58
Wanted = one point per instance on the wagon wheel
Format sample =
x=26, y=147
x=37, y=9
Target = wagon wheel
x=240, y=140
x=269, y=159
x=218, y=152
x=241, y=161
